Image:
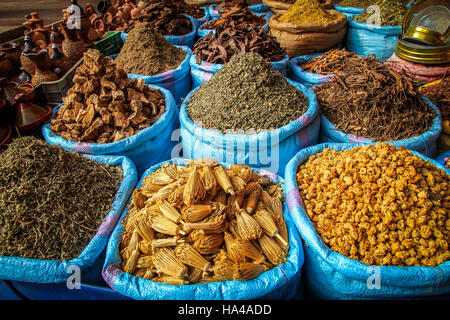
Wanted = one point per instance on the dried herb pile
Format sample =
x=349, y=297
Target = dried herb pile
x=148, y=53
x=439, y=94
x=104, y=105
x=379, y=205
x=52, y=201
x=237, y=38
x=391, y=13
x=306, y=11
x=246, y=94
x=333, y=61
x=204, y=223
x=164, y=17
x=356, y=3
x=372, y=101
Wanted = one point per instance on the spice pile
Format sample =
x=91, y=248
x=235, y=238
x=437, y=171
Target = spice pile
x=307, y=11
x=333, y=61
x=52, y=201
x=148, y=53
x=164, y=17
x=246, y=94
x=193, y=10
x=228, y=41
x=104, y=105
x=391, y=13
x=235, y=17
x=372, y=101
x=439, y=94
x=204, y=223
x=379, y=205
x=356, y=3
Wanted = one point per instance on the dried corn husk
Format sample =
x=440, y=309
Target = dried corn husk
x=166, y=262
x=274, y=205
x=149, y=274
x=134, y=242
x=238, y=184
x=176, y=197
x=170, y=170
x=145, y=262
x=232, y=250
x=272, y=250
x=195, y=275
x=166, y=242
x=223, y=180
x=163, y=225
x=138, y=199
x=247, y=227
x=209, y=243
x=168, y=210
x=194, y=190
x=268, y=224
x=221, y=197
x=209, y=179
x=163, y=193
x=189, y=256
x=253, y=199
x=247, y=249
x=144, y=229
x=160, y=178
x=146, y=247
x=171, y=280
x=223, y=267
x=197, y=212
x=131, y=263
x=247, y=270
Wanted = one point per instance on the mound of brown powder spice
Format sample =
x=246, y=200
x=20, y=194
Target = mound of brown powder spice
x=148, y=53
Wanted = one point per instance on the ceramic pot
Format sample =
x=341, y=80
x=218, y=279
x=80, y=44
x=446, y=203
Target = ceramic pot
x=41, y=67
x=5, y=64
x=72, y=46
x=13, y=51
x=30, y=116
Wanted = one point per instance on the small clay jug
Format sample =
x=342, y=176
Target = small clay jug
x=55, y=36
x=30, y=116
x=24, y=60
x=103, y=6
x=89, y=10
x=23, y=76
x=60, y=63
x=42, y=69
x=5, y=64
x=72, y=46
x=13, y=51
x=85, y=23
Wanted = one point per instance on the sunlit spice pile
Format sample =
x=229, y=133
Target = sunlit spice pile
x=439, y=94
x=52, y=201
x=204, y=223
x=333, y=61
x=379, y=205
x=372, y=101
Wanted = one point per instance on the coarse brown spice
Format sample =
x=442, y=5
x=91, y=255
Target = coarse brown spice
x=378, y=204
x=148, y=53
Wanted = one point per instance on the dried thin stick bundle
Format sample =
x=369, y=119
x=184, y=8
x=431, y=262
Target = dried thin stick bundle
x=189, y=256
x=223, y=180
x=166, y=262
x=266, y=222
x=272, y=250
x=247, y=270
x=247, y=227
x=194, y=224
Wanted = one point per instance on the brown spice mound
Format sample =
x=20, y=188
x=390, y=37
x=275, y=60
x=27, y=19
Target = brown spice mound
x=379, y=205
x=439, y=94
x=148, y=53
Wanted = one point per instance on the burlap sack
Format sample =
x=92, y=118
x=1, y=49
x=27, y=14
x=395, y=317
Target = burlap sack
x=309, y=37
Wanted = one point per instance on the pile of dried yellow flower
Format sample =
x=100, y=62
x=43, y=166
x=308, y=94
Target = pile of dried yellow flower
x=204, y=223
x=378, y=204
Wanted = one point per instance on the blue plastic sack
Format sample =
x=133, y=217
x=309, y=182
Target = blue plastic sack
x=297, y=74
x=183, y=40
x=330, y=275
x=424, y=143
x=177, y=81
x=270, y=150
x=348, y=11
x=55, y=271
x=441, y=158
x=201, y=73
x=200, y=21
x=366, y=39
x=146, y=148
x=282, y=282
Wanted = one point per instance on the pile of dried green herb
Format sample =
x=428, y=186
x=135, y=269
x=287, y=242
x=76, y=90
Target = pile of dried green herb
x=391, y=13
x=148, y=53
x=246, y=93
x=372, y=101
x=52, y=201
x=439, y=94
